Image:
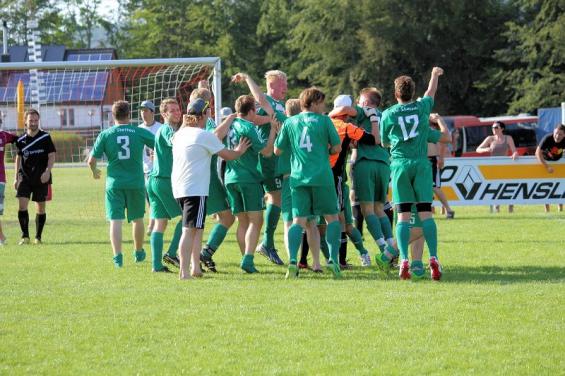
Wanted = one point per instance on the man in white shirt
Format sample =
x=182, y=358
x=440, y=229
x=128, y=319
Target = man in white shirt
x=147, y=109
x=193, y=148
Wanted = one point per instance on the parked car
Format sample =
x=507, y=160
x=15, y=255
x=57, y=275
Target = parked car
x=469, y=131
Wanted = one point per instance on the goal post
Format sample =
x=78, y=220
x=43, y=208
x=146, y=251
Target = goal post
x=75, y=96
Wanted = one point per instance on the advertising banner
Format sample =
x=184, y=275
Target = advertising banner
x=502, y=181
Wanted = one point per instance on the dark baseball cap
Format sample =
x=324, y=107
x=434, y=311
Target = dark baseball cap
x=197, y=107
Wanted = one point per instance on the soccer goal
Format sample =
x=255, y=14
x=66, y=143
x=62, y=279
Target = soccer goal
x=75, y=96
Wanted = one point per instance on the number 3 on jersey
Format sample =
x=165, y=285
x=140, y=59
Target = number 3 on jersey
x=305, y=142
x=124, y=152
x=405, y=121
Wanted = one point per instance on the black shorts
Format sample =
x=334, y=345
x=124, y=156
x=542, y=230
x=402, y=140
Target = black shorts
x=37, y=192
x=436, y=182
x=193, y=211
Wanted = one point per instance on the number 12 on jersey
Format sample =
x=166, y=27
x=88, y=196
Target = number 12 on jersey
x=405, y=121
x=305, y=142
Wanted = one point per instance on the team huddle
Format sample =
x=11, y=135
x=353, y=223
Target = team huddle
x=277, y=159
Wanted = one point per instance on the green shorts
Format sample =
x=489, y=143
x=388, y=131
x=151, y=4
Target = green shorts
x=286, y=200
x=319, y=200
x=411, y=181
x=371, y=179
x=217, y=197
x=272, y=184
x=118, y=200
x=245, y=197
x=161, y=200
x=347, y=212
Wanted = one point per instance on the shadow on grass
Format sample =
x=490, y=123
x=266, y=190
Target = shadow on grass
x=503, y=275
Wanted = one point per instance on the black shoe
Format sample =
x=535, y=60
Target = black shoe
x=164, y=269
x=171, y=260
x=274, y=257
x=206, y=258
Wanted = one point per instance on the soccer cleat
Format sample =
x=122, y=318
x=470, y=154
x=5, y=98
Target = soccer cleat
x=171, y=260
x=382, y=262
x=404, y=272
x=37, y=241
x=118, y=260
x=302, y=265
x=292, y=272
x=139, y=256
x=417, y=273
x=345, y=266
x=450, y=215
x=164, y=269
x=334, y=268
x=249, y=268
x=435, y=269
x=23, y=241
x=274, y=257
x=365, y=259
x=263, y=251
x=206, y=258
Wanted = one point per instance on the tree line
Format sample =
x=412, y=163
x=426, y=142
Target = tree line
x=500, y=56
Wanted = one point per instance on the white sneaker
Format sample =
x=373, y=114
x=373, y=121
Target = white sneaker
x=365, y=259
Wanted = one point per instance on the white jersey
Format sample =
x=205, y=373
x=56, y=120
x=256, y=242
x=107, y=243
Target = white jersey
x=147, y=161
x=192, y=154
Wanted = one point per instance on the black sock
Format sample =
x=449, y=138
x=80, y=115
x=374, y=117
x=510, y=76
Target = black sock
x=39, y=223
x=304, y=250
x=358, y=215
x=343, y=249
x=23, y=217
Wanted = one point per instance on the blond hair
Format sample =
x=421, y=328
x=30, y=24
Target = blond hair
x=273, y=75
x=201, y=93
x=165, y=102
x=292, y=107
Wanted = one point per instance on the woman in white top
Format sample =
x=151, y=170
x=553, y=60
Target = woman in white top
x=498, y=145
x=193, y=148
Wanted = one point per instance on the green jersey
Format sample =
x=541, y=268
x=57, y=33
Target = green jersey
x=269, y=165
x=307, y=137
x=245, y=169
x=370, y=152
x=163, y=156
x=406, y=128
x=123, y=146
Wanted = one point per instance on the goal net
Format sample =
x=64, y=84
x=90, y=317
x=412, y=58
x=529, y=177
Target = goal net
x=74, y=97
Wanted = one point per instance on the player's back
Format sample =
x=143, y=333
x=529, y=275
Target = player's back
x=405, y=127
x=245, y=169
x=123, y=146
x=309, y=136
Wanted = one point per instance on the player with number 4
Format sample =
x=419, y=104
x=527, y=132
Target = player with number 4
x=123, y=144
x=406, y=128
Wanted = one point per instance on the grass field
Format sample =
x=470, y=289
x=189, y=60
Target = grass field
x=64, y=309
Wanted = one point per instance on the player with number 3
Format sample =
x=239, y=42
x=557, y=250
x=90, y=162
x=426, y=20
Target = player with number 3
x=123, y=145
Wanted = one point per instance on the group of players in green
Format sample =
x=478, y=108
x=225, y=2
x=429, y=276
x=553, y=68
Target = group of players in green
x=294, y=164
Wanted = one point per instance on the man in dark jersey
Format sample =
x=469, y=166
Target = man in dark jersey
x=34, y=161
x=551, y=149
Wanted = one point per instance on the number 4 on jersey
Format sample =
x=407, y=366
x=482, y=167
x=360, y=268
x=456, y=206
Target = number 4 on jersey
x=305, y=142
x=407, y=120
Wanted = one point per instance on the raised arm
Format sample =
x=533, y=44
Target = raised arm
x=255, y=91
x=432, y=85
x=267, y=151
x=223, y=129
x=343, y=110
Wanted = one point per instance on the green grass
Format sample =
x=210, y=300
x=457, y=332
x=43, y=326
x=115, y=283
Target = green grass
x=64, y=309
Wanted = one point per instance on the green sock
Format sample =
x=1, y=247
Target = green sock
x=333, y=234
x=156, y=241
x=217, y=236
x=386, y=227
x=272, y=215
x=324, y=248
x=374, y=226
x=118, y=260
x=430, y=234
x=174, y=246
x=417, y=267
x=357, y=241
x=294, y=241
x=403, y=238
